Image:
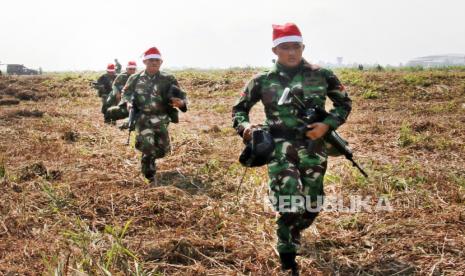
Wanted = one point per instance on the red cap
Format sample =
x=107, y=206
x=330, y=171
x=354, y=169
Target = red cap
x=288, y=32
x=110, y=67
x=131, y=65
x=152, y=53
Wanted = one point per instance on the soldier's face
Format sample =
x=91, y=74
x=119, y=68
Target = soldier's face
x=131, y=70
x=289, y=53
x=152, y=65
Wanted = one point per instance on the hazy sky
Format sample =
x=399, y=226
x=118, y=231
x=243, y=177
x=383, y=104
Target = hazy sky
x=84, y=34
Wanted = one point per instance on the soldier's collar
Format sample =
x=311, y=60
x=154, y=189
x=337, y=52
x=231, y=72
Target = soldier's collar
x=306, y=66
x=278, y=67
x=145, y=74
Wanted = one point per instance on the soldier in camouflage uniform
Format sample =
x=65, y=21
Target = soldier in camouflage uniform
x=116, y=112
x=104, y=86
x=295, y=169
x=118, y=66
x=149, y=92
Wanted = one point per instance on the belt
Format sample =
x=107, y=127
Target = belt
x=280, y=131
x=153, y=111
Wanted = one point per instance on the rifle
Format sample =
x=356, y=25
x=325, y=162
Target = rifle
x=312, y=113
x=133, y=114
x=97, y=86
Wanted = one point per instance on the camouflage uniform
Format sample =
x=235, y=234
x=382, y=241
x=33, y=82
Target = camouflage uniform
x=105, y=82
x=117, y=111
x=149, y=96
x=293, y=169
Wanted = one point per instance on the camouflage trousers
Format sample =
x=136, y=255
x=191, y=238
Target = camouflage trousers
x=118, y=112
x=294, y=172
x=103, y=98
x=152, y=140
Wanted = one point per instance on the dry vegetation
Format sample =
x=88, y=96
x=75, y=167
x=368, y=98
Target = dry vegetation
x=73, y=201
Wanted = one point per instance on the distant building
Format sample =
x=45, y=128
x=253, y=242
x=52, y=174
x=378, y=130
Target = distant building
x=438, y=61
x=17, y=69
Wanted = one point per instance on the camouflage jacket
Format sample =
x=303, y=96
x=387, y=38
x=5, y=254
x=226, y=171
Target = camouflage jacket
x=150, y=95
x=105, y=84
x=316, y=84
x=120, y=81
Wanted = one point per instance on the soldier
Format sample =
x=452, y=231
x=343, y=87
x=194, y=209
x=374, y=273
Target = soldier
x=155, y=95
x=118, y=66
x=294, y=169
x=103, y=86
x=113, y=111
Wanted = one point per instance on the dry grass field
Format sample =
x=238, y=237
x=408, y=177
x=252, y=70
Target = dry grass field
x=72, y=200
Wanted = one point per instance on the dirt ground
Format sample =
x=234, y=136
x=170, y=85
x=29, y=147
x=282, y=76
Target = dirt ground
x=72, y=200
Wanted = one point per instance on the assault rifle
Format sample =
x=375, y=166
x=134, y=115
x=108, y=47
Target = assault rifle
x=133, y=114
x=312, y=113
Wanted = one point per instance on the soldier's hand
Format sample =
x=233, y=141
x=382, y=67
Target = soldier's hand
x=316, y=130
x=177, y=102
x=247, y=134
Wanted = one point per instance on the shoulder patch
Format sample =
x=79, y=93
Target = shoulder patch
x=166, y=74
x=312, y=67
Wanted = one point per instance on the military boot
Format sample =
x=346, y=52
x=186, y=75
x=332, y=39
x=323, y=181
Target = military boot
x=108, y=120
x=153, y=182
x=148, y=167
x=288, y=263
